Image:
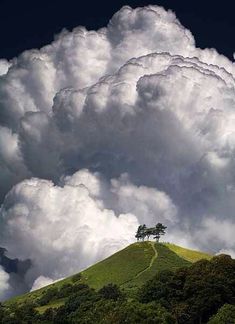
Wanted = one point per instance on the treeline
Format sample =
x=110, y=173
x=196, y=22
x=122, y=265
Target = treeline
x=202, y=293
x=195, y=294
x=84, y=305
x=143, y=231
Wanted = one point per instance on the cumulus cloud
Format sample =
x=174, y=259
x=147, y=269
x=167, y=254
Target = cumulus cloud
x=103, y=130
x=229, y=252
x=220, y=232
x=4, y=66
x=41, y=282
x=4, y=284
x=63, y=229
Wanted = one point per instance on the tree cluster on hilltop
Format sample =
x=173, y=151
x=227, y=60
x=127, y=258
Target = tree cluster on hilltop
x=143, y=231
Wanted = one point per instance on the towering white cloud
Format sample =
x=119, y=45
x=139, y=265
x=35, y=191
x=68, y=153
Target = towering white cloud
x=63, y=229
x=4, y=284
x=40, y=282
x=103, y=130
x=4, y=66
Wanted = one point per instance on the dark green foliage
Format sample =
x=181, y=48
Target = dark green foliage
x=157, y=289
x=26, y=313
x=111, y=291
x=83, y=300
x=65, y=290
x=194, y=293
x=116, y=312
x=4, y=315
x=1, y=313
x=54, y=293
x=226, y=314
x=50, y=294
x=156, y=232
x=135, y=313
x=48, y=316
x=84, y=295
x=141, y=232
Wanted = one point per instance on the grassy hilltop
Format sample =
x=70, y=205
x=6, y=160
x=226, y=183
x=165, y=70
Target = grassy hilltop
x=129, y=268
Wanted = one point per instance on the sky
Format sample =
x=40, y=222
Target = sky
x=102, y=130
x=29, y=24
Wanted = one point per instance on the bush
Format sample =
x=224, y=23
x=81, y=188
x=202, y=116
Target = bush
x=48, y=315
x=226, y=314
x=84, y=294
x=65, y=291
x=50, y=294
x=111, y=291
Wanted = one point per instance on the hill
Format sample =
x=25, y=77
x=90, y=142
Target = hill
x=129, y=269
x=135, y=291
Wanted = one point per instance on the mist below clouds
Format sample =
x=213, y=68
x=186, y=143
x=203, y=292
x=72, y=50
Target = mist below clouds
x=101, y=131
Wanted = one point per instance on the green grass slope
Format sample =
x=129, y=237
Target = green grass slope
x=189, y=255
x=120, y=267
x=128, y=268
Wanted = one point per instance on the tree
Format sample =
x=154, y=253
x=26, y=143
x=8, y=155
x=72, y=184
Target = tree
x=121, y=312
x=134, y=312
x=48, y=295
x=2, y=313
x=158, y=231
x=26, y=313
x=111, y=291
x=48, y=315
x=149, y=232
x=141, y=232
x=138, y=233
x=156, y=289
x=195, y=293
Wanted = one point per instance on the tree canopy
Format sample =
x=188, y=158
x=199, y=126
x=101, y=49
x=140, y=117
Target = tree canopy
x=143, y=231
x=195, y=293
